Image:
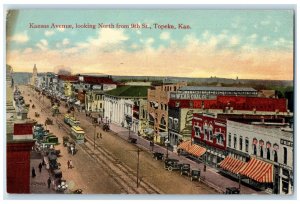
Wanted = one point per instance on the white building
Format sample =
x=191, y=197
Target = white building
x=94, y=101
x=272, y=145
x=122, y=106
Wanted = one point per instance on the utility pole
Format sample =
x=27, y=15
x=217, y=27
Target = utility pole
x=138, y=168
x=95, y=125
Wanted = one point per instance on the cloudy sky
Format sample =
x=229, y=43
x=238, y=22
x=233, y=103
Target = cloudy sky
x=256, y=44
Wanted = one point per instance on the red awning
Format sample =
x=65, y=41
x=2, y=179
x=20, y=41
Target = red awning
x=259, y=171
x=184, y=145
x=196, y=150
x=233, y=165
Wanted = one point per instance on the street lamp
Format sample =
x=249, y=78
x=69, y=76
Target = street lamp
x=167, y=142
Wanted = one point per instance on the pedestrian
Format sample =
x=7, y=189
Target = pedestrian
x=71, y=164
x=40, y=167
x=49, y=182
x=33, y=172
x=68, y=164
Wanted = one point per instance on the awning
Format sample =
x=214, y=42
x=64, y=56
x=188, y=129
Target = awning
x=258, y=170
x=196, y=150
x=233, y=165
x=184, y=145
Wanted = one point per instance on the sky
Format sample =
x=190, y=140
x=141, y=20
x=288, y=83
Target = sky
x=248, y=44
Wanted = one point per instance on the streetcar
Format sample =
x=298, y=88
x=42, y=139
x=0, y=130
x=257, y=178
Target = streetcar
x=78, y=134
x=71, y=121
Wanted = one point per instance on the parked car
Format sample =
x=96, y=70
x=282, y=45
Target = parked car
x=158, y=156
x=185, y=169
x=195, y=175
x=172, y=164
x=232, y=190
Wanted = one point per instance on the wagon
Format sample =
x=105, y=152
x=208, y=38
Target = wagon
x=65, y=140
x=232, y=190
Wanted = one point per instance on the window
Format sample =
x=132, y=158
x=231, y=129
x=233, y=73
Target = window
x=241, y=142
x=254, y=149
x=275, y=156
x=100, y=105
x=234, y=141
x=220, y=138
x=175, y=123
x=161, y=106
x=285, y=155
x=170, y=122
x=166, y=106
x=261, y=151
x=247, y=144
x=229, y=140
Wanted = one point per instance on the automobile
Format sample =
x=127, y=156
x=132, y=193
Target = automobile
x=65, y=140
x=158, y=156
x=77, y=191
x=172, y=164
x=132, y=140
x=195, y=174
x=185, y=169
x=232, y=190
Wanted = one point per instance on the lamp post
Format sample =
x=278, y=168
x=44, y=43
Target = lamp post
x=167, y=142
x=129, y=126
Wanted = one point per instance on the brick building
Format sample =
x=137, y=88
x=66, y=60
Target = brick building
x=157, y=107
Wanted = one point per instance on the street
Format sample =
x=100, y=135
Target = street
x=111, y=167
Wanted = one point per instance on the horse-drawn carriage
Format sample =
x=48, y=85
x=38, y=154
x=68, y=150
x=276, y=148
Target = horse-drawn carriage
x=36, y=114
x=49, y=121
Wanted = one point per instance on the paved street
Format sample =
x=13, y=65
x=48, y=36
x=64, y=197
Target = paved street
x=89, y=176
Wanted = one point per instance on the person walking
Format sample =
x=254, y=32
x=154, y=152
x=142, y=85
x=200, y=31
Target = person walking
x=68, y=164
x=40, y=167
x=33, y=172
x=49, y=182
x=71, y=164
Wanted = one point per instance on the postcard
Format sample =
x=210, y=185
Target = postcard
x=150, y=101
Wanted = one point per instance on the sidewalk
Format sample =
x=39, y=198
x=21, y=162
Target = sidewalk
x=211, y=177
x=38, y=184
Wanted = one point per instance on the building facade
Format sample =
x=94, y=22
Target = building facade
x=157, y=108
x=272, y=145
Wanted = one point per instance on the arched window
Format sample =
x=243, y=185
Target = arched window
x=254, y=143
x=261, y=146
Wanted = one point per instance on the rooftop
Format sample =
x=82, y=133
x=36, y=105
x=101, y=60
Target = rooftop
x=214, y=88
x=129, y=91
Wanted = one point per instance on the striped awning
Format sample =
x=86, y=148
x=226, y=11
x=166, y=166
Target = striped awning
x=196, y=150
x=258, y=170
x=233, y=165
x=185, y=145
